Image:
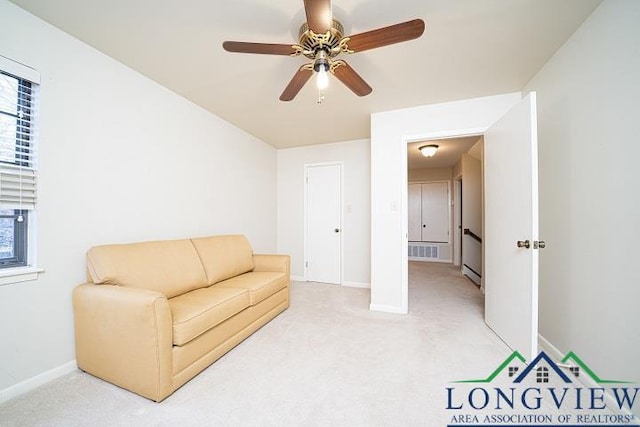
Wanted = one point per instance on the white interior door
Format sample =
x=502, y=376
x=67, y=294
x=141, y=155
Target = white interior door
x=511, y=215
x=435, y=212
x=414, y=204
x=324, y=223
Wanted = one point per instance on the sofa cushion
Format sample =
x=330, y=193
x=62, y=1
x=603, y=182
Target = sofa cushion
x=224, y=257
x=171, y=267
x=260, y=285
x=195, y=312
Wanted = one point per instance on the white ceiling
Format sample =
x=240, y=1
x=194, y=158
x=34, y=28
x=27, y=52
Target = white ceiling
x=470, y=48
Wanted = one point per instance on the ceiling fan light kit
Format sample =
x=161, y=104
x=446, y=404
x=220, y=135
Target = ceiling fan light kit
x=321, y=65
x=322, y=39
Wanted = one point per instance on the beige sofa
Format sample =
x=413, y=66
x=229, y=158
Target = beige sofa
x=155, y=314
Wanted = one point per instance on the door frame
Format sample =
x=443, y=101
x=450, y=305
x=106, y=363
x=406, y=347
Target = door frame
x=307, y=166
x=404, y=196
x=457, y=220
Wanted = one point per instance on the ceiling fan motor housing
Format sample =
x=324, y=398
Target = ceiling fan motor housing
x=328, y=42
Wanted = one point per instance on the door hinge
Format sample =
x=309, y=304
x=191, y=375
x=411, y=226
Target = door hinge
x=306, y=263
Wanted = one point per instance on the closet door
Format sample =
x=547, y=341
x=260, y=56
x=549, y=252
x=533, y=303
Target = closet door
x=415, y=212
x=435, y=212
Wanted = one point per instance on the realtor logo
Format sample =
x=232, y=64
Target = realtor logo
x=543, y=393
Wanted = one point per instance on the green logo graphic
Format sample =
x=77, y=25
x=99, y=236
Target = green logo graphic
x=576, y=368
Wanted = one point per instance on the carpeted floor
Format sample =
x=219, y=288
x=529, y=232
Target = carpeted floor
x=326, y=361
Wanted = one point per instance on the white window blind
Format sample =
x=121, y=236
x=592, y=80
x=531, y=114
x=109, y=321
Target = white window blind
x=17, y=151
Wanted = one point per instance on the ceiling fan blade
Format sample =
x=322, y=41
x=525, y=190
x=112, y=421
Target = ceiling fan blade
x=296, y=83
x=385, y=36
x=319, y=15
x=262, y=48
x=351, y=79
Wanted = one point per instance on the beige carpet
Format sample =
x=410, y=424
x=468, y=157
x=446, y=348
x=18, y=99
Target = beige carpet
x=327, y=361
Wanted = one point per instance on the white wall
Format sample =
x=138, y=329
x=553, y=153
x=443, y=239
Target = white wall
x=120, y=159
x=355, y=156
x=389, y=133
x=472, y=211
x=429, y=174
x=588, y=126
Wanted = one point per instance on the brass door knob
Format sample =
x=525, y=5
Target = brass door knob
x=523, y=244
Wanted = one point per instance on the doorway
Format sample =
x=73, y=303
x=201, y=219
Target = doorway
x=511, y=266
x=390, y=133
x=435, y=201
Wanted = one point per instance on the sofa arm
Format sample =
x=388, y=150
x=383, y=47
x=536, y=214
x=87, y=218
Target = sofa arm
x=124, y=336
x=279, y=263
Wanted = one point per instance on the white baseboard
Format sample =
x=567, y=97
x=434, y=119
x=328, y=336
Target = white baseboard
x=549, y=348
x=346, y=283
x=35, y=382
x=387, y=308
x=555, y=354
x=357, y=285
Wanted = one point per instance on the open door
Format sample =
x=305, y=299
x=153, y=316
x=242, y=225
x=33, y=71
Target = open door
x=511, y=228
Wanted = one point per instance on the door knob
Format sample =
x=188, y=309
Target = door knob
x=539, y=244
x=523, y=244
x=337, y=230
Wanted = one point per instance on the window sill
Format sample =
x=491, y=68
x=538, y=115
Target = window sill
x=18, y=274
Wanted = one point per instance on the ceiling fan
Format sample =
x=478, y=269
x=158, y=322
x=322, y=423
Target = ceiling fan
x=322, y=39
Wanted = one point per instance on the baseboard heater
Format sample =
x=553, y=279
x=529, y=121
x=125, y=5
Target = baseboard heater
x=473, y=275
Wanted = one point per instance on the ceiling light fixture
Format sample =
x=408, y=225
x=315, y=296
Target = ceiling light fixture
x=428, y=150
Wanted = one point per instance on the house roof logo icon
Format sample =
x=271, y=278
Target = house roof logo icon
x=542, y=366
x=536, y=364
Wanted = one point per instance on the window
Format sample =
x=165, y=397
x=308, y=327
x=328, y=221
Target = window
x=13, y=238
x=17, y=167
x=575, y=370
x=542, y=374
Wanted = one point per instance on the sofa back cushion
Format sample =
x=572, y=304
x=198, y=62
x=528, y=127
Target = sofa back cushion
x=224, y=257
x=171, y=267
